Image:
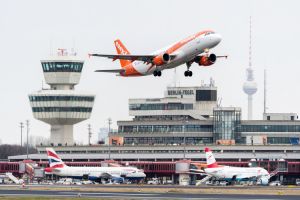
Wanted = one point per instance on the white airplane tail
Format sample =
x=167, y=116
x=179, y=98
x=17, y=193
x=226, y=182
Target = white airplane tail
x=54, y=160
x=210, y=159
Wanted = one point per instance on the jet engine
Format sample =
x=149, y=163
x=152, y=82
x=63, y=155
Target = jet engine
x=206, y=60
x=264, y=180
x=161, y=59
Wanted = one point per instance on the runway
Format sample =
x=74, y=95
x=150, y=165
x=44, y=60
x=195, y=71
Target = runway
x=138, y=195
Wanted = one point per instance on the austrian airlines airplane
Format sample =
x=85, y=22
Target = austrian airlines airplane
x=229, y=173
x=194, y=48
x=58, y=167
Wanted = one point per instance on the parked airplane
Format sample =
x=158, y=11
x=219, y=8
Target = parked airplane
x=185, y=51
x=231, y=174
x=58, y=167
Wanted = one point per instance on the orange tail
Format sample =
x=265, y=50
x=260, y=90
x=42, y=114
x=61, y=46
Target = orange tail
x=121, y=49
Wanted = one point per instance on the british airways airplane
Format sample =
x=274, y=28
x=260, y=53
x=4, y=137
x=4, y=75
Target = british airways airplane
x=58, y=167
x=194, y=48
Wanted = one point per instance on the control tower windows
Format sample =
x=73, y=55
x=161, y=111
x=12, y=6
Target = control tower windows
x=61, y=109
x=62, y=66
x=61, y=98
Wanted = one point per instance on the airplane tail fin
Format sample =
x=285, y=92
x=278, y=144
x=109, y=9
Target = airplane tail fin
x=121, y=50
x=54, y=160
x=210, y=159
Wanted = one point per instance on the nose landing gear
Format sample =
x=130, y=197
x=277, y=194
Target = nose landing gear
x=157, y=73
x=188, y=72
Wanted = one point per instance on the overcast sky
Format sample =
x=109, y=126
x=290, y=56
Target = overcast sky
x=31, y=29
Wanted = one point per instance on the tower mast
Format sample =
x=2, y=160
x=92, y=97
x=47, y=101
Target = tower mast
x=250, y=86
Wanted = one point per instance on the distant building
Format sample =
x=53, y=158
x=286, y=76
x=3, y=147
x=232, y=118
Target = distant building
x=280, y=116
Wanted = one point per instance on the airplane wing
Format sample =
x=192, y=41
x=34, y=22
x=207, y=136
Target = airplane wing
x=144, y=58
x=106, y=175
x=197, y=170
x=109, y=175
x=55, y=169
x=245, y=177
x=111, y=70
x=115, y=165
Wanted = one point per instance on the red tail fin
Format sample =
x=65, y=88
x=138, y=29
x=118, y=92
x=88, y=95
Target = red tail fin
x=210, y=159
x=121, y=49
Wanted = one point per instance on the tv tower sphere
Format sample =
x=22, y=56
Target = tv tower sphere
x=250, y=86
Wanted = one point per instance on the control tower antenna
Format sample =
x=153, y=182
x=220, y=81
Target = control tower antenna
x=73, y=49
x=250, y=87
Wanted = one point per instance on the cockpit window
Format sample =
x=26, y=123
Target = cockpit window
x=208, y=33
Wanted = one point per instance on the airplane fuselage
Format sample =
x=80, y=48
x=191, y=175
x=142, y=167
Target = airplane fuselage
x=94, y=173
x=237, y=173
x=185, y=51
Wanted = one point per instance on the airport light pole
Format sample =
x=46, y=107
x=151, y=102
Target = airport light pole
x=27, y=127
x=109, y=123
x=21, y=126
x=89, y=133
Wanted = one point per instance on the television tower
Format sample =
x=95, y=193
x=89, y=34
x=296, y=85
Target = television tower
x=250, y=87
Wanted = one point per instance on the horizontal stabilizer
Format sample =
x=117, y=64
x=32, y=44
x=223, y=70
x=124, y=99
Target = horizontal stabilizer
x=111, y=70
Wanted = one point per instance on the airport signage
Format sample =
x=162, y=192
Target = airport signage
x=180, y=92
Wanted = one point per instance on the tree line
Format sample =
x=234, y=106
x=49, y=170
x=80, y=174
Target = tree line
x=13, y=150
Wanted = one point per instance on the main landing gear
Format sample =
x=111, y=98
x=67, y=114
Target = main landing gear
x=188, y=72
x=157, y=73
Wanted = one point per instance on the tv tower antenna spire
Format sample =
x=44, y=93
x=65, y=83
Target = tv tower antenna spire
x=250, y=44
x=250, y=86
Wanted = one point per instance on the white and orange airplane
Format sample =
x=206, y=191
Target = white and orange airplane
x=194, y=48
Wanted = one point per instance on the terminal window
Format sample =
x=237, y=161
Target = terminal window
x=206, y=95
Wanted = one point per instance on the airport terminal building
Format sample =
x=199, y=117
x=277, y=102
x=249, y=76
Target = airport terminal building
x=191, y=116
x=179, y=125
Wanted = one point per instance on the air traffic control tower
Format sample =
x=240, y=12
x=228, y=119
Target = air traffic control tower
x=61, y=106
